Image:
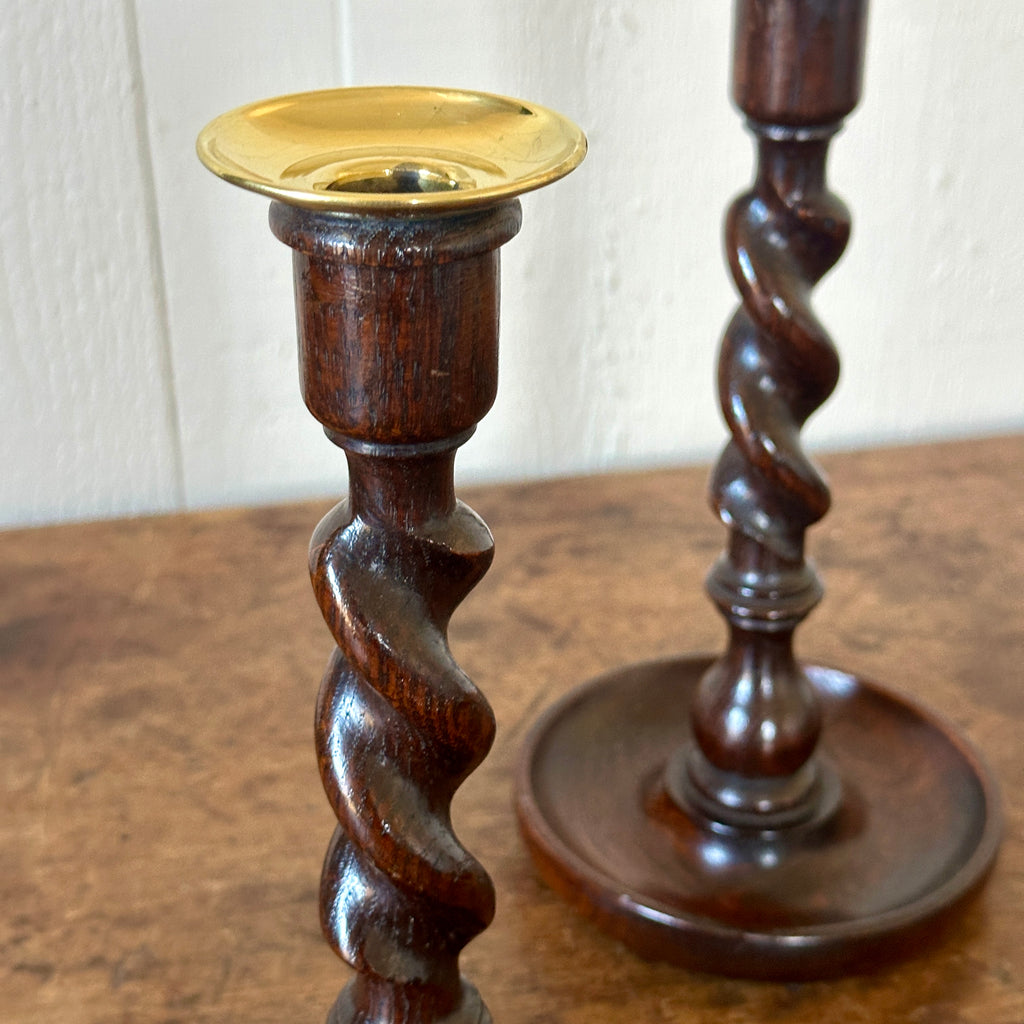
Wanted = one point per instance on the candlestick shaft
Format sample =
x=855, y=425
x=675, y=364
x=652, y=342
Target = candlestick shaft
x=756, y=718
x=398, y=331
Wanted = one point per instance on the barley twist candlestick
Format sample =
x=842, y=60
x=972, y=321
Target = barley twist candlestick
x=751, y=815
x=756, y=718
x=396, y=202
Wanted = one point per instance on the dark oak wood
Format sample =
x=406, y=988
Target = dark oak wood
x=161, y=817
x=756, y=718
x=752, y=814
x=851, y=890
x=398, y=355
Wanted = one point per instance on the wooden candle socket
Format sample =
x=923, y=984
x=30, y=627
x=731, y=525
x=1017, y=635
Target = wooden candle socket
x=752, y=815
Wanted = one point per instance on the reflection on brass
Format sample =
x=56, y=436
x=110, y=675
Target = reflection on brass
x=391, y=148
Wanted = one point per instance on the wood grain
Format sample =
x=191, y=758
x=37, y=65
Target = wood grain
x=398, y=359
x=163, y=821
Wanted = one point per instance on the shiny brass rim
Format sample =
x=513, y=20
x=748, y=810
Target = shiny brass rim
x=391, y=148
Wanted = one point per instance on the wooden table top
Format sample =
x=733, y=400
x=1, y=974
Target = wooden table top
x=163, y=823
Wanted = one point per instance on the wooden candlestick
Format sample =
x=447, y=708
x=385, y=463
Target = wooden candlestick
x=396, y=202
x=751, y=815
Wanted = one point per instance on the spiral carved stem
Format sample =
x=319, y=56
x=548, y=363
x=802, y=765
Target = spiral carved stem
x=756, y=719
x=399, y=727
x=398, y=331
x=777, y=364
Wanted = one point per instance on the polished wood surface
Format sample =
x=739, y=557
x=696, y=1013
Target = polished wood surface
x=398, y=358
x=796, y=76
x=163, y=821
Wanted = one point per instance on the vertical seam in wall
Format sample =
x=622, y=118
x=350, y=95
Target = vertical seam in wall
x=154, y=238
x=343, y=38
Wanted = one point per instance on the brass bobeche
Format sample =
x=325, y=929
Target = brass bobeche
x=391, y=148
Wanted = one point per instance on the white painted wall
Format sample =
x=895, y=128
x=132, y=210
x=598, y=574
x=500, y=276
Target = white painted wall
x=146, y=323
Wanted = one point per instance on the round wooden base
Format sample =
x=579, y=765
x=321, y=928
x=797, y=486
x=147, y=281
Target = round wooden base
x=914, y=833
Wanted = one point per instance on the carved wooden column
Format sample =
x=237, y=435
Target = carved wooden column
x=396, y=202
x=754, y=815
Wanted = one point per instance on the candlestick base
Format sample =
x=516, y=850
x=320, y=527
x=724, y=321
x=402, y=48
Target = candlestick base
x=911, y=837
